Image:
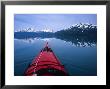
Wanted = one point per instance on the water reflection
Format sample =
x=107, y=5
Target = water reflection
x=78, y=42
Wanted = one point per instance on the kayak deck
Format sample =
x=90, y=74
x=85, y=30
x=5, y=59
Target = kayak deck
x=46, y=64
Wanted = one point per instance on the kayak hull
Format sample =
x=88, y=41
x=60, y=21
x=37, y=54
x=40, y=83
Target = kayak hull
x=46, y=64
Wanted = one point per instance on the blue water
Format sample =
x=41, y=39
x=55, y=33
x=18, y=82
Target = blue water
x=78, y=60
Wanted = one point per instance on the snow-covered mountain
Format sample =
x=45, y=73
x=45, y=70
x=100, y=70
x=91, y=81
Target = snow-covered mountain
x=80, y=26
x=84, y=26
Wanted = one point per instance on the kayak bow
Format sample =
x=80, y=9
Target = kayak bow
x=46, y=64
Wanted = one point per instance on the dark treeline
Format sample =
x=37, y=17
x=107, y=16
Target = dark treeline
x=78, y=34
x=22, y=35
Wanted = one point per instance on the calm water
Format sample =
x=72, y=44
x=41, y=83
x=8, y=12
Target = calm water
x=78, y=60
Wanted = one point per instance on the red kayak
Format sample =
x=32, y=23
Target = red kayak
x=46, y=64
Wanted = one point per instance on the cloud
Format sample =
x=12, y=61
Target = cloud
x=53, y=21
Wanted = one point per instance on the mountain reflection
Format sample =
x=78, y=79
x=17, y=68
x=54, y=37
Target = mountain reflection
x=80, y=41
x=76, y=41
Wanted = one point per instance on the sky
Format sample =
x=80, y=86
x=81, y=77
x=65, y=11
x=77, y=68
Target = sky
x=53, y=22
